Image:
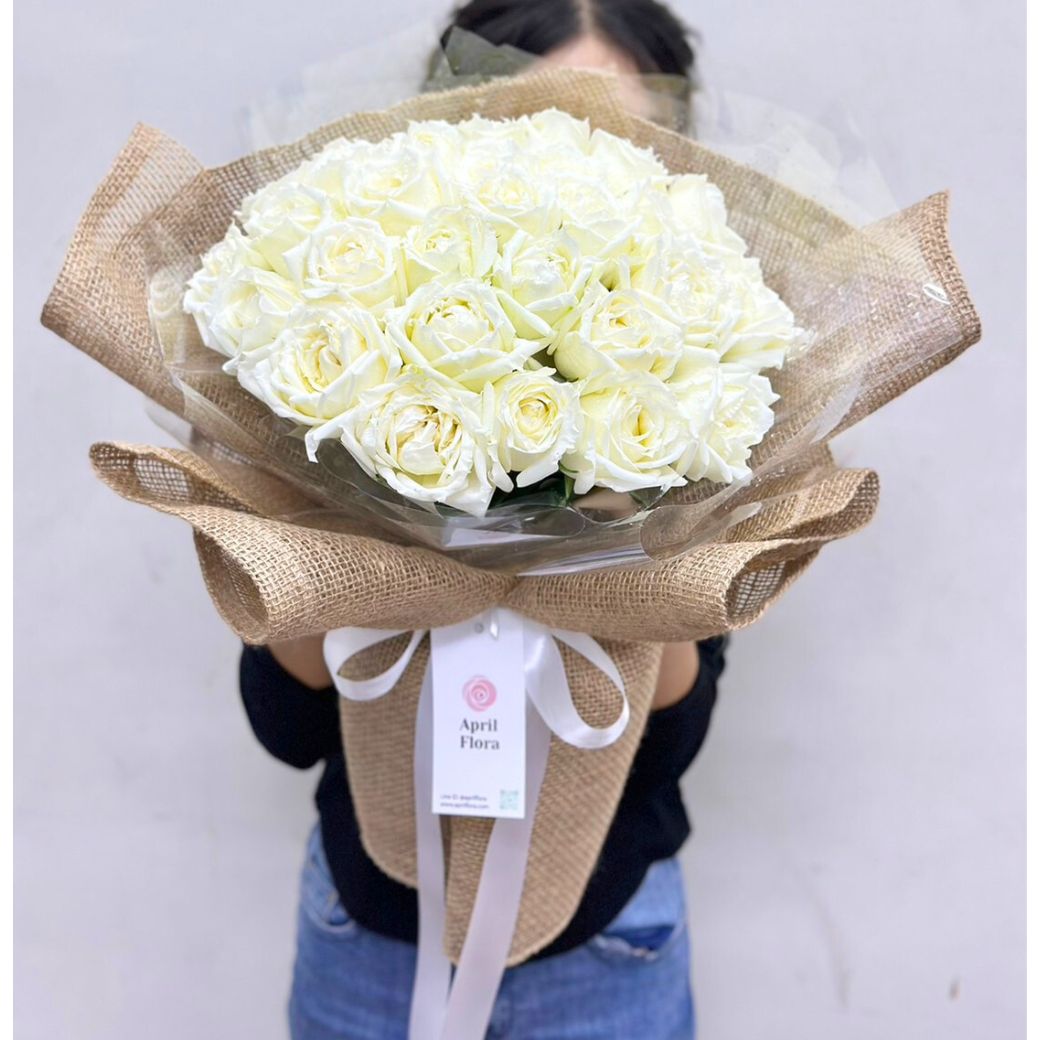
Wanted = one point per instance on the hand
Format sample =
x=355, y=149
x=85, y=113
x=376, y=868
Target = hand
x=303, y=659
x=680, y=664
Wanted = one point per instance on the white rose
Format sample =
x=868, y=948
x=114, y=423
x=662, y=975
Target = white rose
x=696, y=288
x=648, y=203
x=724, y=306
x=354, y=261
x=432, y=133
x=699, y=207
x=477, y=161
x=602, y=225
x=277, y=217
x=553, y=129
x=439, y=136
x=428, y=441
x=763, y=333
x=482, y=133
x=634, y=435
x=596, y=216
x=316, y=369
x=509, y=196
x=542, y=280
x=327, y=171
x=559, y=151
x=220, y=263
x=451, y=243
x=249, y=310
x=583, y=199
x=459, y=331
x=612, y=239
x=730, y=411
x=537, y=419
x=676, y=269
x=395, y=184
x=620, y=331
x=621, y=162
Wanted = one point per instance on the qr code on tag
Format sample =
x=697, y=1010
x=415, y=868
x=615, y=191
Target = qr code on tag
x=508, y=800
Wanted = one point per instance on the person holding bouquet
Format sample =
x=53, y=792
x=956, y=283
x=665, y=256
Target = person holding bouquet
x=500, y=407
x=621, y=968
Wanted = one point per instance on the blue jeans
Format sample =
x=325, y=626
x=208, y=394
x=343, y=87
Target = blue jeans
x=630, y=982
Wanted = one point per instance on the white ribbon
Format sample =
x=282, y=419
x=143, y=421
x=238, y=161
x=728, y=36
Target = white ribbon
x=460, y=1009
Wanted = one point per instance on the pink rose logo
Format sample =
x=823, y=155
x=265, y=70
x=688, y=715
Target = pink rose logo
x=479, y=693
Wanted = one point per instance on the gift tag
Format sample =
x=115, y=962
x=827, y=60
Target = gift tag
x=479, y=709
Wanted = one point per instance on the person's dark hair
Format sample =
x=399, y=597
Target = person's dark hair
x=647, y=31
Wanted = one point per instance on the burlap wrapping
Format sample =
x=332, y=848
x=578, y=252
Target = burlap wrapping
x=887, y=305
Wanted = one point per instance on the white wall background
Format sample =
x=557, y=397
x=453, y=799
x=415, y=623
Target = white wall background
x=858, y=867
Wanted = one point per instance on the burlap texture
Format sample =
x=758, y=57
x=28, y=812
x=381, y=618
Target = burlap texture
x=272, y=578
x=887, y=306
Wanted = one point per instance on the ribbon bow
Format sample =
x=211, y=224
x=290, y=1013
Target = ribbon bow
x=443, y=1009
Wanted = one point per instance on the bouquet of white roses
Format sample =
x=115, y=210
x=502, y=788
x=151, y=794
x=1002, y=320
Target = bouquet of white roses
x=450, y=305
x=481, y=305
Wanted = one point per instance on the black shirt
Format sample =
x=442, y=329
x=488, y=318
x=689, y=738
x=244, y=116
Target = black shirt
x=300, y=726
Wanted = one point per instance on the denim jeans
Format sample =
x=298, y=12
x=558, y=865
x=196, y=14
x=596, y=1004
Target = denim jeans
x=630, y=982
